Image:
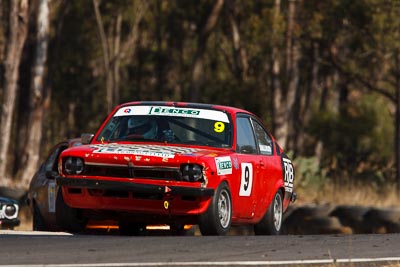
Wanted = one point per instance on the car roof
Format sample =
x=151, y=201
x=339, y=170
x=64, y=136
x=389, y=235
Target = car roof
x=228, y=109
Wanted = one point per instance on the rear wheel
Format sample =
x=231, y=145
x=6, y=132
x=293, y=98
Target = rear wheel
x=218, y=217
x=271, y=223
x=69, y=219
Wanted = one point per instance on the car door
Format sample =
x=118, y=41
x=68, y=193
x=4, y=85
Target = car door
x=271, y=170
x=248, y=168
x=43, y=186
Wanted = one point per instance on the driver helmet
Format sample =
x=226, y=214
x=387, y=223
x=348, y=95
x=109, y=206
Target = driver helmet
x=143, y=126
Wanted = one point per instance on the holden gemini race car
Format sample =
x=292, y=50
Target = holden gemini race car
x=42, y=193
x=177, y=164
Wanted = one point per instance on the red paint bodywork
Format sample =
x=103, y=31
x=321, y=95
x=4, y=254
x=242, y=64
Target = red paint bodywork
x=267, y=178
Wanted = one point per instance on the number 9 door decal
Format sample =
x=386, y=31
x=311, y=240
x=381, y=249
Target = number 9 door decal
x=246, y=182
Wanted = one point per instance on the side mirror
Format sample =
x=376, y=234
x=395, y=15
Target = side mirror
x=86, y=138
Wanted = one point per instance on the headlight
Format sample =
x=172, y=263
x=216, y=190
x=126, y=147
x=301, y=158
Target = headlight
x=9, y=211
x=191, y=172
x=73, y=165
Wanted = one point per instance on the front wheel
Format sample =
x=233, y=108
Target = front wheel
x=38, y=223
x=69, y=219
x=271, y=223
x=218, y=217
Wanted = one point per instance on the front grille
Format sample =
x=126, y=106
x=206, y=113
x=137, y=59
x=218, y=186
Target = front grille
x=133, y=172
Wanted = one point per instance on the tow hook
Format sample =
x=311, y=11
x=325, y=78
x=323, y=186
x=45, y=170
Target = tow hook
x=166, y=204
x=293, y=197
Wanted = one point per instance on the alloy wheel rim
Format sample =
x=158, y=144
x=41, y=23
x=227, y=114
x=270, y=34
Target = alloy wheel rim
x=224, y=209
x=278, y=212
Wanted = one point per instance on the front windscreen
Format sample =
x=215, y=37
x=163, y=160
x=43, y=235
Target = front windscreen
x=175, y=125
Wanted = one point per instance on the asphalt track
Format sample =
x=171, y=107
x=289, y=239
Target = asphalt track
x=61, y=249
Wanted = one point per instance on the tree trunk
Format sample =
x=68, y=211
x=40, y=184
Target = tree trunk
x=311, y=93
x=284, y=100
x=116, y=52
x=2, y=37
x=160, y=60
x=32, y=152
x=397, y=127
x=18, y=23
x=277, y=111
x=117, y=59
x=294, y=93
x=197, y=71
x=239, y=53
x=106, y=55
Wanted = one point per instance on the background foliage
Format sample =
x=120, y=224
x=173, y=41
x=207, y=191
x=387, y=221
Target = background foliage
x=334, y=63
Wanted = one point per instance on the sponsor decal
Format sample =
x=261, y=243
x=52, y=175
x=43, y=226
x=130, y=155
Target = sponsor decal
x=265, y=149
x=220, y=117
x=288, y=174
x=51, y=190
x=174, y=110
x=246, y=181
x=142, y=150
x=236, y=163
x=189, y=155
x=224, y=165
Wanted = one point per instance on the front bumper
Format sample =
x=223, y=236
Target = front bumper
x=9, y=223
x=134, y=187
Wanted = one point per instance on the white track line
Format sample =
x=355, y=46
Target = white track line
x=13, y=232
x=219, y=263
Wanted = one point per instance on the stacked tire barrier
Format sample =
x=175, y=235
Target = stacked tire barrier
x=343, y=219
x=315, y=219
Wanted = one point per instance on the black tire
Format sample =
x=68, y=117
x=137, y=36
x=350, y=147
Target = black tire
x=38, y=223
x=131, y=229
x=218, y=217
x=271, y=223
x=69, y=219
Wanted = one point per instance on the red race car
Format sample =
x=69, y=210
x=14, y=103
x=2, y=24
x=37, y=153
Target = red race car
x=177, y=163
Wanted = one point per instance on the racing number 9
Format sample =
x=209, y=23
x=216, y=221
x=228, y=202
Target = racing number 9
x=246, y=178
x=219, y=127
x=246, y=181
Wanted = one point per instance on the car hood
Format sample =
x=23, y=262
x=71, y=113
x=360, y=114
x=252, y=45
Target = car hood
x=5, y=200
x=143, y=154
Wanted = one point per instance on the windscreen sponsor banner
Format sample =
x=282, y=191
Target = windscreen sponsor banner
x=143, y=150
x=208, y=114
